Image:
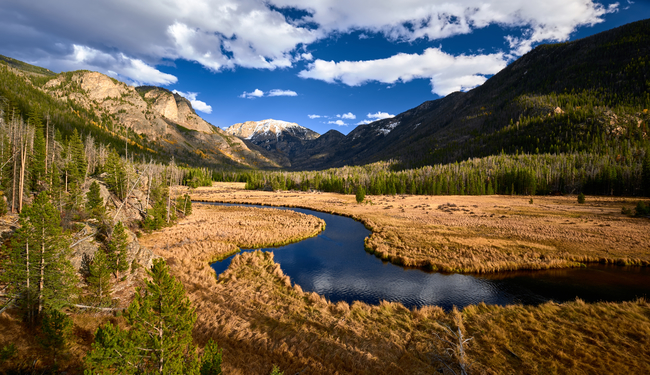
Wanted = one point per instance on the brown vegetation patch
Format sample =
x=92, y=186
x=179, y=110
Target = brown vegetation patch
x=476, y=233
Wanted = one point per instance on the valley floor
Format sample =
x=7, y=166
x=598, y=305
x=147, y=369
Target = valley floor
x=259, y=319
x=476, y=233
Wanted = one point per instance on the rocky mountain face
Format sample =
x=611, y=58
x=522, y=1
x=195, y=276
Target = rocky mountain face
x=284, y=140
x=161, y=120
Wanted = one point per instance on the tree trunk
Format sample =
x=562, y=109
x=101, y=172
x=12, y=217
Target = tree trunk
x=47, y=141
x=29, y=309
x=42, y=276
x=23, y=164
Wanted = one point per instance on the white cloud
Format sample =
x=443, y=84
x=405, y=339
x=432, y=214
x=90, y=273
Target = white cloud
x=132, y=71
x=259, y=93
x=250, y=95
x=314, y=116
x=276, y=92
x=365, y=122
x=447, y=73
x=379, y=115
x=196, y=104
x=347, y=116
x=224, y=34
x=338, y=122
x=549, y=20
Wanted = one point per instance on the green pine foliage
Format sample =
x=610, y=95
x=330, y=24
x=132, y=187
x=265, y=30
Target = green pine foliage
x=642, y=209
x=581, y=198
x=160, y=215
x=211, y=359
x=117, y=250
x=38, y=156
x=184, y=205
x=360, y=194
x=38, y=271
x=94, y=201
x=99, y=281
x=159, y=338
x=115, y=175
x=56, y=330
x=276, y=371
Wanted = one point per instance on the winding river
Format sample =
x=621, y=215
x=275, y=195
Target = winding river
x=334, y=264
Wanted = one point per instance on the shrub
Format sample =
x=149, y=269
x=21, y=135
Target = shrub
x=581, y=198
x=641, y=209
x=361, y=194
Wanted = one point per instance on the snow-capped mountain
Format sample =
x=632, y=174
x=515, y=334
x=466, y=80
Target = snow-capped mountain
x=265, y=131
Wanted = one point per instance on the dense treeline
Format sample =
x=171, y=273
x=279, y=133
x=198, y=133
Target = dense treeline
x=499, y=174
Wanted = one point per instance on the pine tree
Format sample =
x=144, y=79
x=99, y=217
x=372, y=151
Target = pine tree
x=99, y=280
x=211, y=359
x=94, y=200
x=56, y=328
x=361, y=194
x=38, y=156
x=38, y=269
x=160, y=336
x=77, y=163
x=117, y=249
x=115, y=175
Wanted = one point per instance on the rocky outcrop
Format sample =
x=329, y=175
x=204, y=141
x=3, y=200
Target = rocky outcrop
x=174, y=108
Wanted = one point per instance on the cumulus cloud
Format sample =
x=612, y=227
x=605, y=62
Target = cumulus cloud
x=225, y=34
x=550, y=20
x=447, y=73
x=347, y=116
x=259, y=93
x=338, y=122
x=196, y=104
x=314, y=116
x=251, y=95
x=277, y=92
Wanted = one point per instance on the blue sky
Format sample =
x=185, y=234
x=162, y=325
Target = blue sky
x=324, y=64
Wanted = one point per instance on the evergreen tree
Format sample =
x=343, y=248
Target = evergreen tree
x=211, y=359
x=160, y=336
x=56, y=328
x=77, y=163
x=99, y=280
x=361, y=194
x=115, y=175
x=38, y=269
x=117, y=249
x=37, y=159
x=94, y=200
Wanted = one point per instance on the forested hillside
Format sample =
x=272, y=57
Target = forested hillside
x=567, y=118
x=136, y=123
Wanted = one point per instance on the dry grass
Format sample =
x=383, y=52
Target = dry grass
x=30, y=354
x=260, y=319
x=571, y=338
x=476, y=233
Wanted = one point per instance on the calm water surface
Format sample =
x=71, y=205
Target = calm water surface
x=335, y=265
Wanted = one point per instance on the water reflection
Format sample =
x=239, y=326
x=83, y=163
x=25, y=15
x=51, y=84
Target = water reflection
x=335, y=265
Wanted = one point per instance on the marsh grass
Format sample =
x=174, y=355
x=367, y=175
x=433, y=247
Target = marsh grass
x=259, y=318
x=480, y=234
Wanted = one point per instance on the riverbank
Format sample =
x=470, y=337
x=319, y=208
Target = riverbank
x=475, y=233
x=259, y=319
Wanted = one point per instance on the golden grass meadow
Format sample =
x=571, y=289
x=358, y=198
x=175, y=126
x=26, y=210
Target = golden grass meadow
x=260, y=319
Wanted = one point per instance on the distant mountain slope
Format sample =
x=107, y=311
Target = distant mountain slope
x=285, y=139
x=156, y=122
x=586, y=95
